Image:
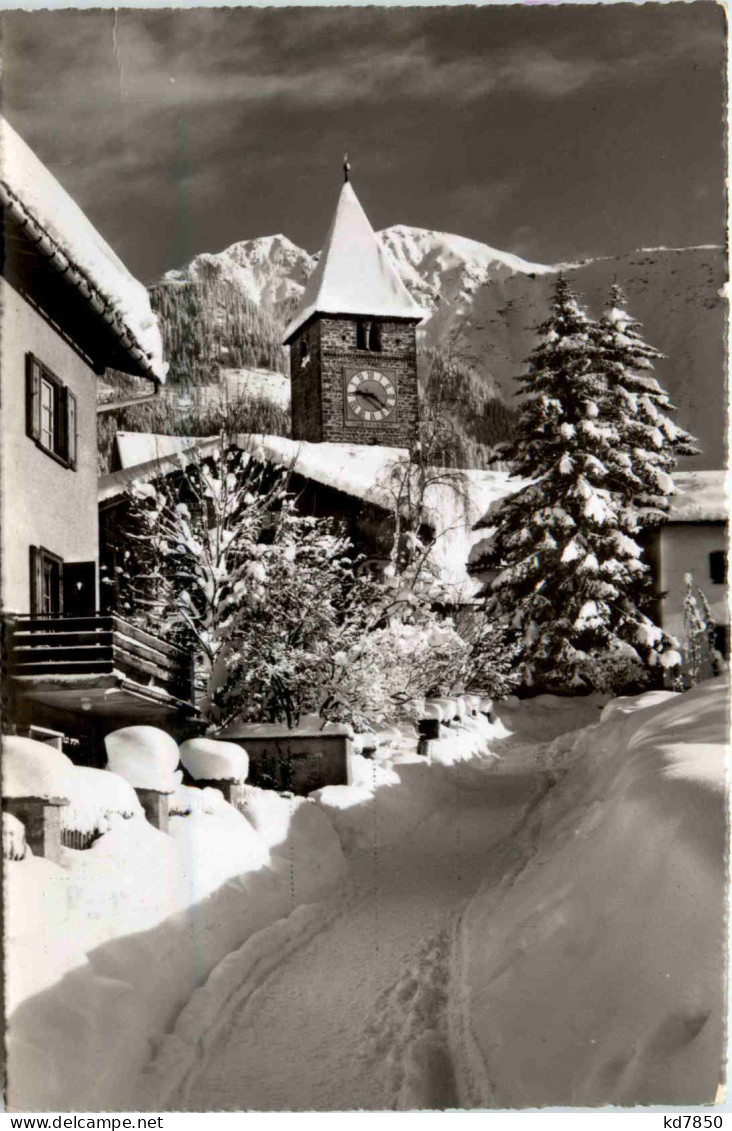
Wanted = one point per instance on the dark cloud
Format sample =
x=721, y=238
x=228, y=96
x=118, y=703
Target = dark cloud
x=549, y=131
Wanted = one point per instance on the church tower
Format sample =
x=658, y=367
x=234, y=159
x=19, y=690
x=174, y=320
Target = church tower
x=353, y=344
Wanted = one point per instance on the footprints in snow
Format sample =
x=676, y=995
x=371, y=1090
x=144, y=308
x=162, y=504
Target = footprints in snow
x=407, y=1034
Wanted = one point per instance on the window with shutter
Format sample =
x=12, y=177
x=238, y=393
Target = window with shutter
x=51, y=413
x=33, y=397
x=46, y=578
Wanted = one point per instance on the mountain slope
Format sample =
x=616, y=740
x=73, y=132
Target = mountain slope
x=485, y=303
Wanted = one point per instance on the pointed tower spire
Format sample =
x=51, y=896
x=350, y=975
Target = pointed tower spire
x=346, y=167
x=355, y=274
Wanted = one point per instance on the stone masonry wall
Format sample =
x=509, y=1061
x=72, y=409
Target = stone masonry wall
x=318, y=409
x=307, y=415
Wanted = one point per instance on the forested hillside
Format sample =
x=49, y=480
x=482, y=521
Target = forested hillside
x=210, y=323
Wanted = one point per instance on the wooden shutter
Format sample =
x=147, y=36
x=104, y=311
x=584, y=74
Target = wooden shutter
x=36, y=581
x=60, y=591
x=71, y=425
x=32, y=397
x=67, y=427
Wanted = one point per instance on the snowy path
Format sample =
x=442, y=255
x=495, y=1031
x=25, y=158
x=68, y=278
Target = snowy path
x=355, y=1018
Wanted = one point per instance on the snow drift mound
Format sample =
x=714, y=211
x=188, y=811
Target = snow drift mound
x=209, y=759
x=144, y=756
x=597, y=974
x=35, y=769
x=103, y=951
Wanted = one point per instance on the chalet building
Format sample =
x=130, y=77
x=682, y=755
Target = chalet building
x=360, y=486
x=694, y=541
x=70, y=310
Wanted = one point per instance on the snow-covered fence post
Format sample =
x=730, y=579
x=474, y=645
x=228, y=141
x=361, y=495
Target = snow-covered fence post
x=213, y=764
x=156, y=803
x=41, y=817
x=234, y=790
x=472, y=703
x=486, y=707
x=428, y=726
x=147, y=758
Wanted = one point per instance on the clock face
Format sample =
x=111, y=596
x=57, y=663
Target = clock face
x=371, y=396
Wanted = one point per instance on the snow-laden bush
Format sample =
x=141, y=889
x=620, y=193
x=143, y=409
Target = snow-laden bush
x=214, y=760
x=14, y=846
x=275, y=608
x=35, y=769
x=389, y=666
x=144, y=756
x=699, y=651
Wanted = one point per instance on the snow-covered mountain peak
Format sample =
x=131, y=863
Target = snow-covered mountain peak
x=269, y=269
x=443, y=251
x=449, y=268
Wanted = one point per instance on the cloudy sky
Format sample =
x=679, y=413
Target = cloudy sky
x=555, y=132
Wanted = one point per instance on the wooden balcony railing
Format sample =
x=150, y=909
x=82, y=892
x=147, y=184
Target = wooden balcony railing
x=53, y=646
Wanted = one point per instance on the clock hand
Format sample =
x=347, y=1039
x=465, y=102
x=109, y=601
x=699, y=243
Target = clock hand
x=371, y=397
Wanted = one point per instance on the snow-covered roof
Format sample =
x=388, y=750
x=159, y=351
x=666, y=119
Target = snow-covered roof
x=116, y=483
x=453, y=500
x=703, y=496
x=66, y=236
x=355, y=274
x=134, y=448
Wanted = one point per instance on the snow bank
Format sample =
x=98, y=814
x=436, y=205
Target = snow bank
x=596, y=973
x=209, y=758
x=35, y=769
x=95, y=795
x=301, y=840
x=144, y=756
x=190, y=799
x=392, y=793
x=104, y=951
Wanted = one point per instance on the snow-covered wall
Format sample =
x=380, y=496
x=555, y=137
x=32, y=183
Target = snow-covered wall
x=596, y=973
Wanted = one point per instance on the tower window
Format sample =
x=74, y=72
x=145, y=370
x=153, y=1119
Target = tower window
x=718, y=567
x=375, y=336
x=362, y=335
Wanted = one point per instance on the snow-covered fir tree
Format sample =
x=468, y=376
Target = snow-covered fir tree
x=648, y=441
x=571, y=571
